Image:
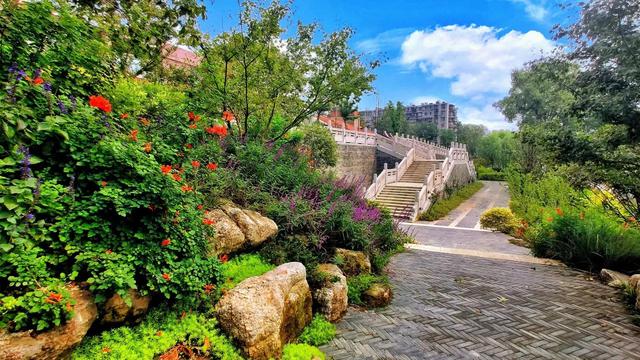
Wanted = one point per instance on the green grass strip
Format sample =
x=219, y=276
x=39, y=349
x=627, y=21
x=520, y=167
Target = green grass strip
x=443, y=206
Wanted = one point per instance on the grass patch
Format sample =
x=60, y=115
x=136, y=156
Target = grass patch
x=357, y=285
x=302, y=352
x=319, y=332
x=159, y=332
x=443, y=206
x=241, y=268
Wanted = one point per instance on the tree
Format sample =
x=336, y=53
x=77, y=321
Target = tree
x=497, y=149
x=424, y=130
x=393, y=119
x=257, y=74
x=446, y=136
x=324, y=150
x=470, y=134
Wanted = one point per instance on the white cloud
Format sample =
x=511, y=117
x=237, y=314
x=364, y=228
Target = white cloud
x=536, y=11
x=424, y=99
x=477, y=58
x=486, y=115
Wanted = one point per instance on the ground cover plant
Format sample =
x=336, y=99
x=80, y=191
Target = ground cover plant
x=441, y=207
x=359, y=284
x=319, y=332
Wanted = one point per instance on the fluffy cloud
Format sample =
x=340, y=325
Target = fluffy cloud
x=536, y=11
x=476, y=58
x=486, y=115
x=384, y=41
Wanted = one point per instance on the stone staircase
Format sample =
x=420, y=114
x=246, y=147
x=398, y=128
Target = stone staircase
x=399, y=199
x=417, y=172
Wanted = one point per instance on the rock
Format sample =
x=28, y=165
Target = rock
x=638, y=296
x=378, y=295
x=613, y=278
x=353, y=262
x=256, y=228
x=331, y=298
x=116, y=309
x=265, y=312
x=634, y=280
x=229, y=238
x=55, y=343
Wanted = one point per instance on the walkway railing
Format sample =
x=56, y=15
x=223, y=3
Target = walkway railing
x=353, y=137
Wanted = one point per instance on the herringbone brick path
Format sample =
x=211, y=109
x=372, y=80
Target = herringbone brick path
x=458, y=307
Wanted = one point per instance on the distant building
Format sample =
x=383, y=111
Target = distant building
x=440, y=113
x=180, y=57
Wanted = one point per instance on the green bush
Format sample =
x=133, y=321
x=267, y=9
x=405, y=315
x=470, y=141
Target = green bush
x=323, y=147
x=319, y=332
x=442, y=207
x=302, y=352
x=159, y=332
x=485, y=173
x=499, y=219
x=359, y=284
x=590, y=241
x=241, y=268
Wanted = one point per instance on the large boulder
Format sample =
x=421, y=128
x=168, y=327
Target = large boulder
x=238, y=228
x=331, y=297
x=638, y=296
x=118, y=309
x=378, y=295
x=634, y=280
x=265, y=312
x=613, y=278
x=56, y=343
x=353, y=262
x=256, y=228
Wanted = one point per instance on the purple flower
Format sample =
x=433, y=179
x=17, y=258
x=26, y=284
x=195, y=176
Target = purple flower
x=279, y=153
x=73, y=101
x=26, y=162
x=47, y=87
x=21, y=74
x=29, y=216
x=63, y=109
x=13, y=68
x=37, y=73
x=36, y=191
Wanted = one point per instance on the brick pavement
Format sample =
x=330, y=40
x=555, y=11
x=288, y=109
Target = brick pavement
x=460, y=307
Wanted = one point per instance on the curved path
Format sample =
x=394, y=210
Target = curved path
x=470, y=294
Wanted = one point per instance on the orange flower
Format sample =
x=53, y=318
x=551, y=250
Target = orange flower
x=147, y=147
x=177, y=177
x=69, y=307
x=159, y=333
x=559, y=211
x=212, y=166
x=103, y=183
x=199, y=207
x=100, y=102
x=581, y=215
x=208, y=221
x=124, y=116
x=108, y=252
x=186, y=188
x=166, y=276
x=227, y=116
x=53, y=298
x=195, y=164
x=224, y=258
x=144, y=121
x=165, y=169
x=217, y=130
x=208, y=288
x=193, y=126
x=189, y=146
x=632, y=219
x=106, y=350
x=626, y=225
x=550, y=219
x=134, y=135
x=38, y=81
x=165, y=242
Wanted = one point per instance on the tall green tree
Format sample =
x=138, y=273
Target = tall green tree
x=498, y=149
x=393, y=119
x=470, y=134
x=424, y=130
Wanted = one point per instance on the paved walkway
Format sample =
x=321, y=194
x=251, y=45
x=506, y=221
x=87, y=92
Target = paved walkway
x=470, y=294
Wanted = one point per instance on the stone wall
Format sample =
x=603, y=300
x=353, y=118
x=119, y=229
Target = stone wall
x=357, y=161
x=459, y=176
x=382, y=157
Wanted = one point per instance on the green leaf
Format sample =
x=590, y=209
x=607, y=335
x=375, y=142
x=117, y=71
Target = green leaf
x=10, y=203
x=6, y=247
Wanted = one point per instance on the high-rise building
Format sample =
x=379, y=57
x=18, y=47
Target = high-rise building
x=440, y=113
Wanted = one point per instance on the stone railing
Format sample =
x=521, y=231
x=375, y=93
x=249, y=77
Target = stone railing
x=389, y=176
x=353, y=137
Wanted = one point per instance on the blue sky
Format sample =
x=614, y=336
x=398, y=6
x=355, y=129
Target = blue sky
x=457, y=51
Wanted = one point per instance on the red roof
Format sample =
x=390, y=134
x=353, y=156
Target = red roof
x=181, y=57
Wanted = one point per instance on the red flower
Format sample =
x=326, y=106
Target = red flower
x=195, y=164
x=191, y=115
x=124, y=116
x=100, y=102
x=212, y=166
x=147, y=147
x=224, y=258
x=166, y=276
x=227, y=116
x=208, y=288
x=144, y=121
x=189, y=146
x=108, y=252
x=193, y=126
x=217, y=130
x=186, y=188
x=53, y=298
x=38, y=81
x=208, y=221
x=177, y=177
x=200, y=207
x=103, y=183
x=134, y=135
x=550, y=219
x=165, y=242
x=559, y=211
x=165, y=169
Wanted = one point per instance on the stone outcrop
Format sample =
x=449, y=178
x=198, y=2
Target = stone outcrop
x=353, y=262
x=238, y=228
x=265, y=312
x=331, y=297
x=634, y=280
x=117, y=310
x=378, y=295
x=57, y=342
x=613, y=278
